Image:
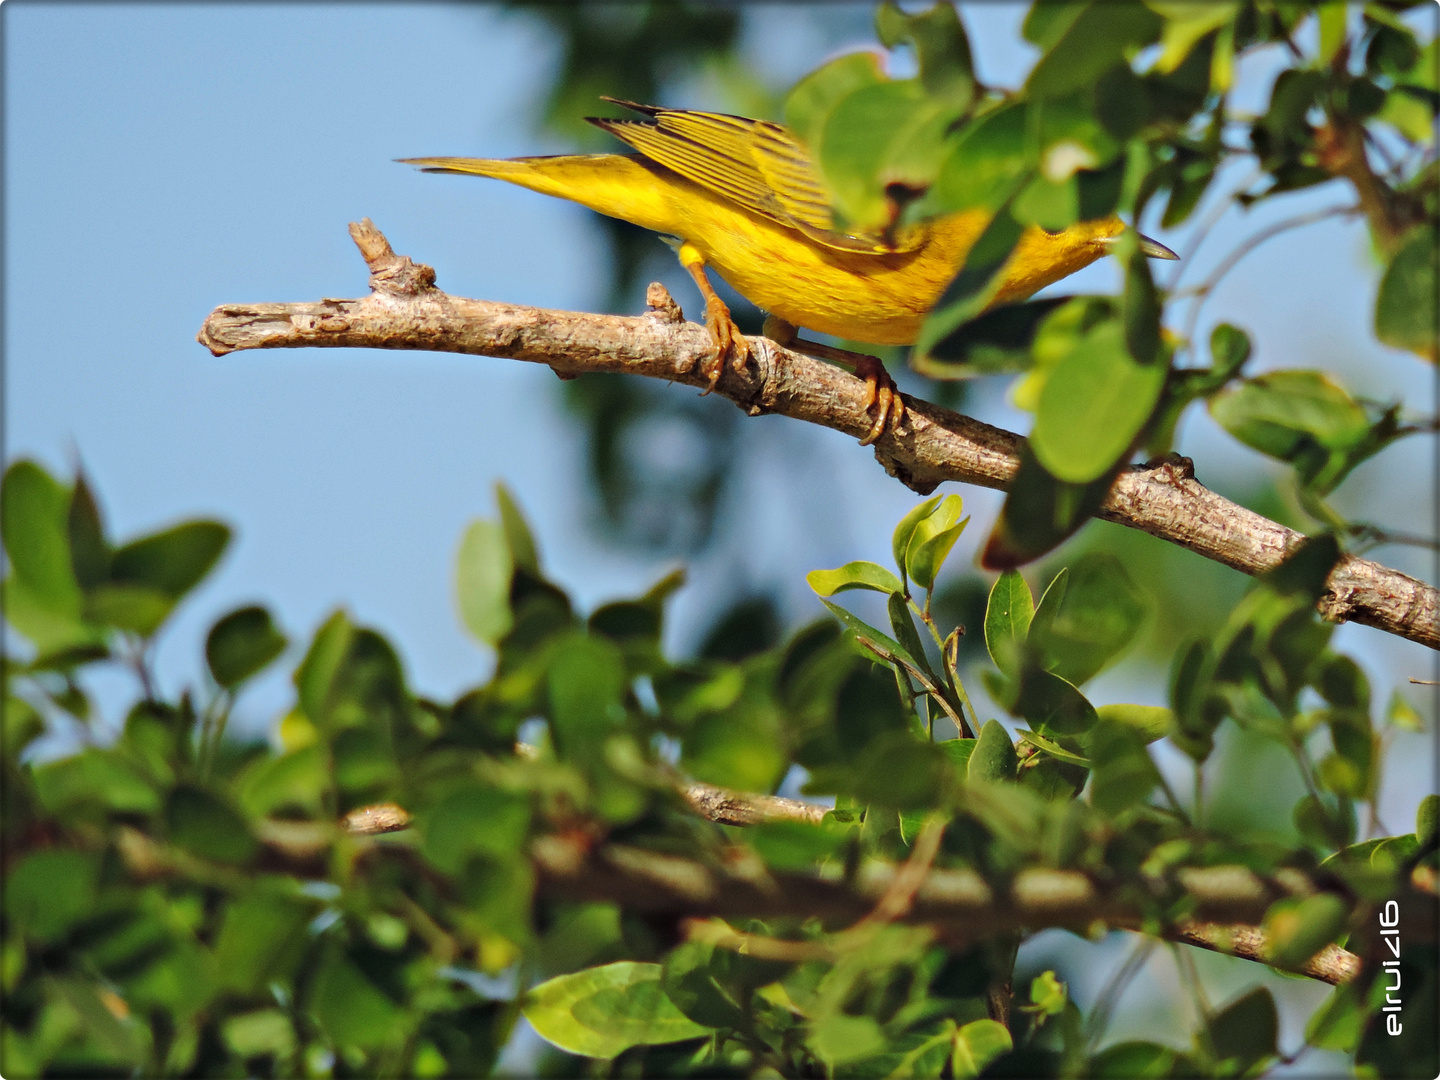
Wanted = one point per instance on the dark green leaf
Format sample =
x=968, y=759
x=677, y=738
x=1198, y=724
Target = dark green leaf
x=1306, y=569
x=474, y=820
x=202, y=823
x=998, y=341
x=941, y=46
x=985, y=166
x=1053, y=706
x=242, y=644
x=993, y=758
x=1123, y=773
x=1142, y=310
x=50, y=890
x=1245, y=1031
x=171, y=562
x=518, y=537
x=1007, y=621
x=1426, y=818
x=136, y=608
x=1132, y=1061
x=1098, y=38
x=263, y=935
x=1405, y=309
x=1039, y=513
x=350, y=1009
x=1079, y=632
x=975, y=286
x=89, y=550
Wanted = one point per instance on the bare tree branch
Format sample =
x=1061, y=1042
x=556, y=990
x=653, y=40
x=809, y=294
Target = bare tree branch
x=405, y=311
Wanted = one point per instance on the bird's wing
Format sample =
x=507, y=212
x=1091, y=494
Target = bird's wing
x=756, y=163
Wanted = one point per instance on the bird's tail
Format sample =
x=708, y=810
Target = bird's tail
x=619, y=185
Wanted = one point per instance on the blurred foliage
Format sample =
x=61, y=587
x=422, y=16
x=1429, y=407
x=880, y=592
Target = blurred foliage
x=180, y=902
x=177, y=902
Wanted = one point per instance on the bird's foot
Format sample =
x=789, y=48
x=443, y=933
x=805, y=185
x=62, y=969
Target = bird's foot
x=729, y=341
x=881, y=393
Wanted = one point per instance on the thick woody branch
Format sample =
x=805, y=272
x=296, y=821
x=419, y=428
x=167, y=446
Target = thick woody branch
x=406, y=311
x=959, y=905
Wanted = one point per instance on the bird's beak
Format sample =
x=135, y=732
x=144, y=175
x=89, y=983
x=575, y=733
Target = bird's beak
x=1152, y=248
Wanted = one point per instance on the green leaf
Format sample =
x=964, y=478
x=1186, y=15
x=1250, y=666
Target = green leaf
x=839, y=1038
x=1292, y=415
x=1229, y=349
x=941, y=47
x=350, y=1009
x=1186, y=22
x=299, y=780
x=1426, y=817
x=1000, y=340
x=1100, y=37
x=263, y=935
x=1053, y=749
x=94, y=776
x=1245, y=1031
x=1048, y=995
x=1053, y=706
x=317, y=673
x=171, y=562
x=33, y=513
x=1007, y=621
x=483, y=572
x=265, y=1032
x=518, y=537
x=977, y=1044
x=1150, y=722
x=1405, y=308
x=986, y=164
x=1306, y=569
x=603, y=1011
x=1402, y=714
x=1132, y=1061
x=49, y=890
x=884, y=133
x=200, y=822
x=1298, y=929
x=242, y=644
x=854, y=575
x=1124, y=775
x=932, y=540
x=900, y=540
x=474, y=820
x=1080, y=630
x=867, y=632
x=815, y=96
x=586, y=684
x=89, y=550
x=136, y=608
x=993, y=758
x=1142, y=310
x=977, y=284
x=1093, y=406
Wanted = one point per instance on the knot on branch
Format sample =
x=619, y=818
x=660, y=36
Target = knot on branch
x=662, y=305
x=390, y=274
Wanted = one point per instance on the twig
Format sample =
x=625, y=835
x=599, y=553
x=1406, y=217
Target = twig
x=407, y=312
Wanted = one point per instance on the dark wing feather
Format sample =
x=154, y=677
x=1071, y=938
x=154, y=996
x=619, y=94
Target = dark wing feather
x=758, y=164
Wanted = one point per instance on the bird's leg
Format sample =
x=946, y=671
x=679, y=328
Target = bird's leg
x=881, y=391
x=728, y=338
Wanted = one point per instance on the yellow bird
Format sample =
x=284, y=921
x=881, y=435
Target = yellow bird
x=743, y=196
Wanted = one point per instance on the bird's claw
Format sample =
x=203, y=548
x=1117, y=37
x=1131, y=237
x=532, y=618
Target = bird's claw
x=729, y=341
x=882, y=393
